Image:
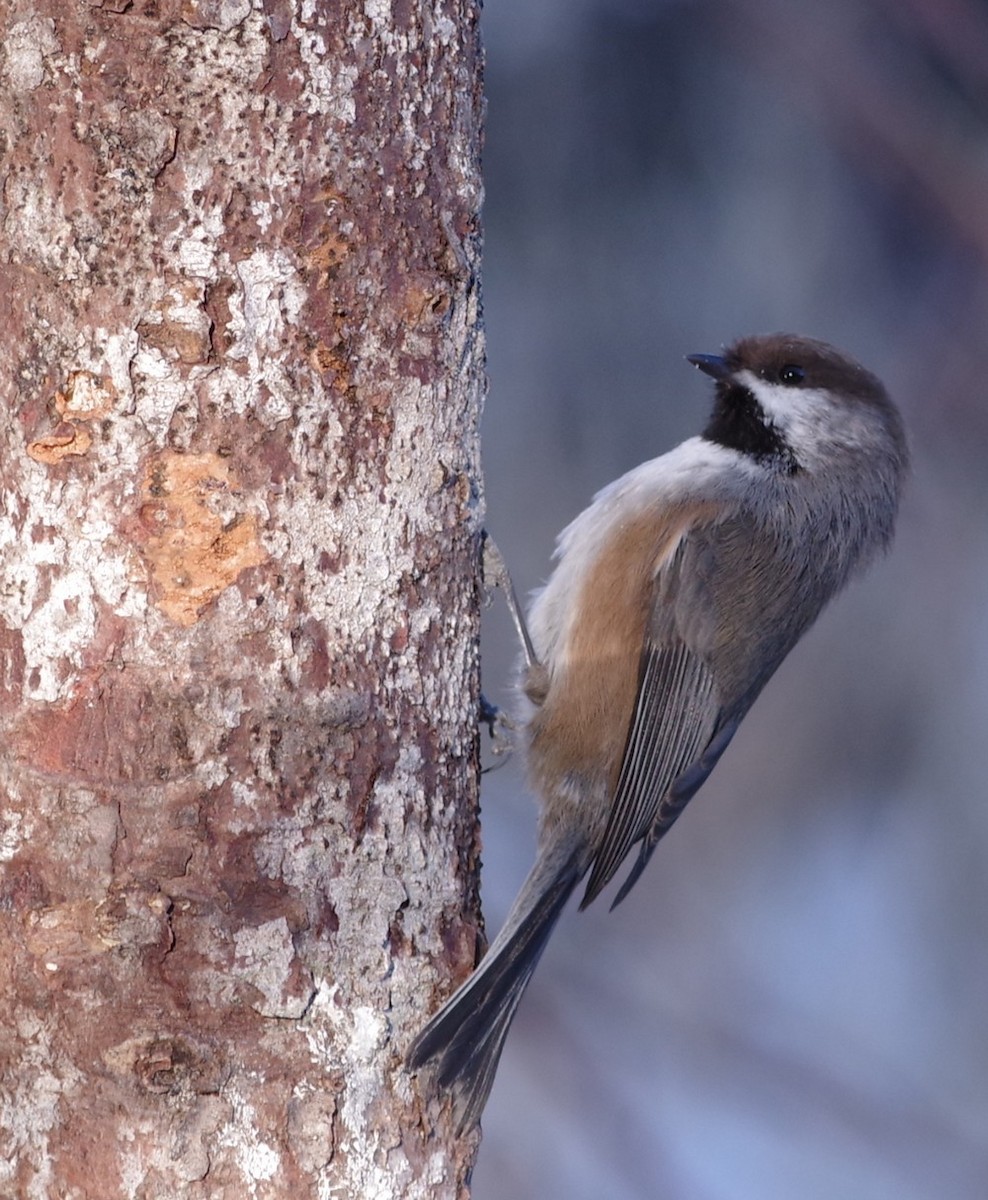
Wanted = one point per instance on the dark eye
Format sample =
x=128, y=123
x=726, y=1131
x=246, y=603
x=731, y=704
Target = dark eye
x=791, y=375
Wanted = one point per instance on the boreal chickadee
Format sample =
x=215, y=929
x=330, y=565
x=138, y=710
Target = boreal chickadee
x=675, y=596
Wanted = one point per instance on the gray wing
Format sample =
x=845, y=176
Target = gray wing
x=677, y=729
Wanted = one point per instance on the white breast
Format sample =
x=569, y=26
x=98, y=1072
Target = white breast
x=697, y=471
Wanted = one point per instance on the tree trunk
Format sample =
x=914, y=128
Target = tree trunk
x=241, y=372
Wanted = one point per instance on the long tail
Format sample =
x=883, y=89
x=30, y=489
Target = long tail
x=462, y=1043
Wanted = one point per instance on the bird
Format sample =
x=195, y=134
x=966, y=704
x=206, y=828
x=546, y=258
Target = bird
x=674, y=597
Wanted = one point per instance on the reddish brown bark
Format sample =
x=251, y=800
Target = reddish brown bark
x=241, y=371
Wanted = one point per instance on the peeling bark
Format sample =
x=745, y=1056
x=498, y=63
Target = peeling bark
x=241, y=371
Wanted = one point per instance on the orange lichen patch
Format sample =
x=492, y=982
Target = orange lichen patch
x=87, y=397
x=65, y=440
x=197, y=534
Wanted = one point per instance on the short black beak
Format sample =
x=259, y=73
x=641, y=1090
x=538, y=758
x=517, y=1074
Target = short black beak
x=710, y=364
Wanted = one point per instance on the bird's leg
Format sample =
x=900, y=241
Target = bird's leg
x=500, y=729
x=496, y=575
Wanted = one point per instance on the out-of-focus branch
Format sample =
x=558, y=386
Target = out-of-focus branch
x=898, y=117
x=957, y=28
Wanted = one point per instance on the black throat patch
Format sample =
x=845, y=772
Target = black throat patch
x=739, y=423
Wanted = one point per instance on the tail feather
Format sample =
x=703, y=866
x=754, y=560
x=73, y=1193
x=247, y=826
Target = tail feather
x=462, y=1043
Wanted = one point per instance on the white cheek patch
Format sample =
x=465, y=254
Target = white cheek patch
x=795, y=412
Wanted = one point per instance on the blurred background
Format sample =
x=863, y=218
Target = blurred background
x=793, y=1002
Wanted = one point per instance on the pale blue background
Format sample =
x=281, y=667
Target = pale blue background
x=793, y=1003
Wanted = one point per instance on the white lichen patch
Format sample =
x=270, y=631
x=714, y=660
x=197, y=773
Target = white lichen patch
x=359, y=1043
x=159, y=387
x=328, y=86
x=211, y=773
x=196, y=256
x=265, y=956
x=218, y=14
x=26, y=46
x=30, y=1101
x=14, y=832
x=262, y=311
x=272, y=296
x=54, y=581
x=379, y=14
x=255, y=1156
